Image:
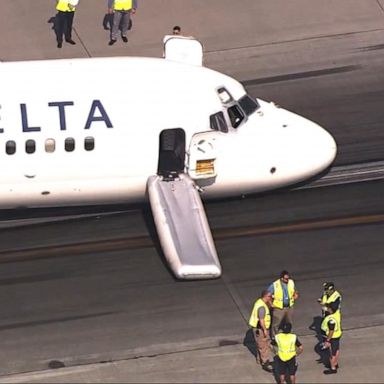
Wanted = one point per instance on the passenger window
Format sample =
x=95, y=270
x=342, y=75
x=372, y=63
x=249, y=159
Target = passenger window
x=89, y=143
x=30, y=146
x=235, y=116
x=10, y=147
x=70, y=144
x=218, y=123
x=50, y=145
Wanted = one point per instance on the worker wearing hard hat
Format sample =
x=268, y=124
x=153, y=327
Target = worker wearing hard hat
x=331, y=297
x=64, y=20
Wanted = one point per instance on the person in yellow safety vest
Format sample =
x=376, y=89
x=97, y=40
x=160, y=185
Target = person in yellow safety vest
x=288, y=347
x=64, y=21
x=122, y=10
x=284, y=296
x=332, y=331
x=260, y=322
x=330, y=296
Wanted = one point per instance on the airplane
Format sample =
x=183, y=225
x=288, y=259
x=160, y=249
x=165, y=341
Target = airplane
x=77, y=132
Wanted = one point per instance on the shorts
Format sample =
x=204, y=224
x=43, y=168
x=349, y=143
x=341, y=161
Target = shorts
x=335, y=345
x=284, y=367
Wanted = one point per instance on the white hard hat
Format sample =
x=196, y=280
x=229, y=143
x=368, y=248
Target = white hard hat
x=73, y=2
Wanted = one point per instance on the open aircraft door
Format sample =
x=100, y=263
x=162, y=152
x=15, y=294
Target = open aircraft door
x=178, y=212
x=203, y=156
x=183, y=49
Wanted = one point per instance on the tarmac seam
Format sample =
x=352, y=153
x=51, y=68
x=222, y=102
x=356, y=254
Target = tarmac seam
x=111, y=361
x=235, y=297
x=380, y=6
x=224, y=344
x=82, y=43
x=296, y=40
x=219, y=234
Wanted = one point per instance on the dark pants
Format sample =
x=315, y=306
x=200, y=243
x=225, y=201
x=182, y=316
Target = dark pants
x=335, y=346
x=284, y=367
x=64, y=21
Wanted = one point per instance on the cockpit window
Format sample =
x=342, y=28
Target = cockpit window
x=248, y=105
x=235, y=115
x=218, y=123
x=224, y=95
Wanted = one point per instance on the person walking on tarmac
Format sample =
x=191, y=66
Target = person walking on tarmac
x=284, y=296
x=330, y=296
x=332, y=331
x=288, y=347
x=122, y=10
x=64, y=20
x=260, y=322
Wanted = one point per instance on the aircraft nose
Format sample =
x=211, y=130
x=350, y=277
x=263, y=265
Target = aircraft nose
x=311, y=150
x=324, y=149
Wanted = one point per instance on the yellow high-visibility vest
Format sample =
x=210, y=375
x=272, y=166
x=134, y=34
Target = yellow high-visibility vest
x=254, y=319
x=336, y=317
x=328, y=300
x=286, y=344
x=278, y=293
x=122, y=5
x=62, y=5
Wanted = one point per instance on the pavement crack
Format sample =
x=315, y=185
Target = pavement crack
x=380, y=5
x=304, y=39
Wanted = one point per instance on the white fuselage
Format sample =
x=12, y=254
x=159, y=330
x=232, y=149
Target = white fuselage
x=86, y=131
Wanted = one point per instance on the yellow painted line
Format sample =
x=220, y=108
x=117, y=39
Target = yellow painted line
x=140, y=242
x=303, y=226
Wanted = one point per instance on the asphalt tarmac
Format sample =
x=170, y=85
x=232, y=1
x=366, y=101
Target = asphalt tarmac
x=112, y=313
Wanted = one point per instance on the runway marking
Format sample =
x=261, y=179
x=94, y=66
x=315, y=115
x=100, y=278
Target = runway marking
x=146, y=241
x=296, y=40
x=300, y=75
x=304, y=226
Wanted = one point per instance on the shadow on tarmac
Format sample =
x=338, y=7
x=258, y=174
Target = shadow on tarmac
x=52, y=20
x=250, y=342
x=323, y=354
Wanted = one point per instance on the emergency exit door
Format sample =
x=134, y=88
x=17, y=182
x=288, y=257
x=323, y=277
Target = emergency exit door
x=171, y=152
